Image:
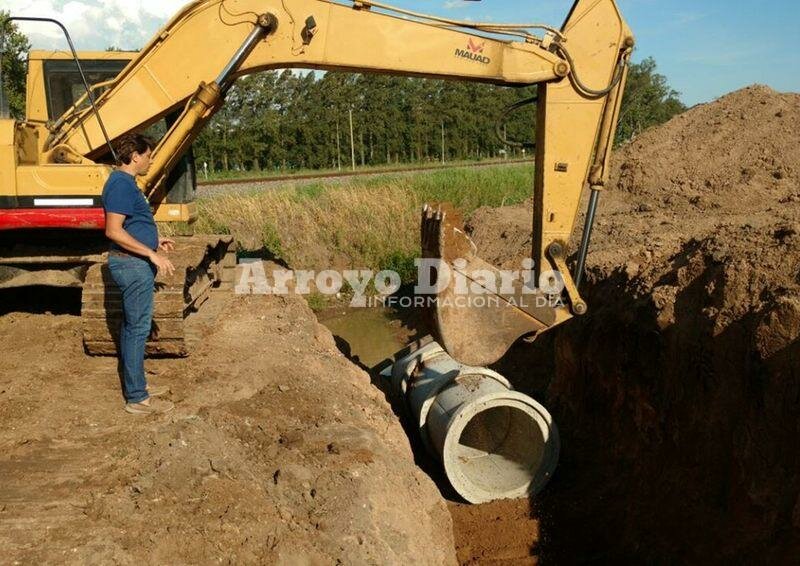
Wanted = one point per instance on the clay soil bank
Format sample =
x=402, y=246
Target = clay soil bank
x=678, y=395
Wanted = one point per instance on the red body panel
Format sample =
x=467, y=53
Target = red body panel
x=83, y=218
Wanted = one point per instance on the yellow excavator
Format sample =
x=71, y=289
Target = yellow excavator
x=54, y=163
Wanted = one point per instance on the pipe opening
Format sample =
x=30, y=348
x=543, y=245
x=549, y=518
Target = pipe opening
x=500, y=449
x=494, y=442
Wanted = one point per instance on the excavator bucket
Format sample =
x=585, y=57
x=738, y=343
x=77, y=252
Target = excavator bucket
x=478, y=313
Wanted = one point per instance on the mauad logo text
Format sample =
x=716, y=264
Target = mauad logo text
x=474, y=52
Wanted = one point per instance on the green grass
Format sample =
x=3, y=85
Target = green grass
x=317, y=301
x=367, y=223
x=469, y=189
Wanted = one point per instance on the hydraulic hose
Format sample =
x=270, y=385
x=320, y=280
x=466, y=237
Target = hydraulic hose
x=501, y=120
x=623, y=61
x=618, y=73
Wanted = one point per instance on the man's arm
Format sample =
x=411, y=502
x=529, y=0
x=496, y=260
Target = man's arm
x=117, y=234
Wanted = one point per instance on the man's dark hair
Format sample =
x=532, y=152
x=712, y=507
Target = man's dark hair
x=127, y=144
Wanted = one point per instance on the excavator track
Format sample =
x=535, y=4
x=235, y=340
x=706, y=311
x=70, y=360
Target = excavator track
x=203, y=264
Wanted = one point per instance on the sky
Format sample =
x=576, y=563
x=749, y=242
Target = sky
x=705, y=48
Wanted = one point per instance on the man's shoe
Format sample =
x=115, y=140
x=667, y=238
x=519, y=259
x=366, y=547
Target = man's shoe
x=149, y=406
x=157, y=390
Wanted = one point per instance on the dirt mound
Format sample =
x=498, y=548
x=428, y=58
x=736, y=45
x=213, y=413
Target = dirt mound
x=279, y=451
x=679, y=394
x=735, y=153
x=735, y=161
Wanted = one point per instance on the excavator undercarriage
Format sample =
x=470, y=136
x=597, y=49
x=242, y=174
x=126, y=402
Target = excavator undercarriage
x=203, y=265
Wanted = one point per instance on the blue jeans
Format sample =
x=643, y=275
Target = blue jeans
x=135, y=278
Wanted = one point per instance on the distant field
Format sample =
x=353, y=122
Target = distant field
x=367, y=223
x=269, y=174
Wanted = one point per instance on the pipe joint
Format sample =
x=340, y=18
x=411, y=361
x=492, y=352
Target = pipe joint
x=494, y=442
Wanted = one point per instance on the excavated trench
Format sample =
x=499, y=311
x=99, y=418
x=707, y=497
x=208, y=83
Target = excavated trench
x=677, y=402
x=503, y=530
x=677, y=397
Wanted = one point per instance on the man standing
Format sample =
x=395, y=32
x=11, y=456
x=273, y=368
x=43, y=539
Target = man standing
x=133, y=260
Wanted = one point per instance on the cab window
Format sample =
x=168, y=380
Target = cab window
x=63, y=85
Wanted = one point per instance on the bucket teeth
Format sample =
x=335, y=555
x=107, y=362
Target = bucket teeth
x=477, y=325
x=431, y=230
x=443, y=235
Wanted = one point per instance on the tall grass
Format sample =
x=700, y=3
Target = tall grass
x=369, y=223
x=469, y=189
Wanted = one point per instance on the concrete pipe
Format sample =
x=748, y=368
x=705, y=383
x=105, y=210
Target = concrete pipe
x=494, y=443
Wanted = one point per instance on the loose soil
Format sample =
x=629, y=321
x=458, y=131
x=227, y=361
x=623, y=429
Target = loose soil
x=280, y=451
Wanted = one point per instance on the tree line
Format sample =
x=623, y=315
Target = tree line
x=287, y=120
x=284, y=120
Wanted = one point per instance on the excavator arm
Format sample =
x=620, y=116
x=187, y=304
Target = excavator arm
x=580, y=69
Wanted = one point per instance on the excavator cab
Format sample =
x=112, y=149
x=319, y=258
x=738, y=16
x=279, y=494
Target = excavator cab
x=54, y=86
x=57, y=239
x=54, y=83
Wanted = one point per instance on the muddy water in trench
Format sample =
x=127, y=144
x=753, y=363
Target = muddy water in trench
x=367, y=335
x=501, y=532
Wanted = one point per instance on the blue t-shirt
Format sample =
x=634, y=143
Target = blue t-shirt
x=122, y=195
